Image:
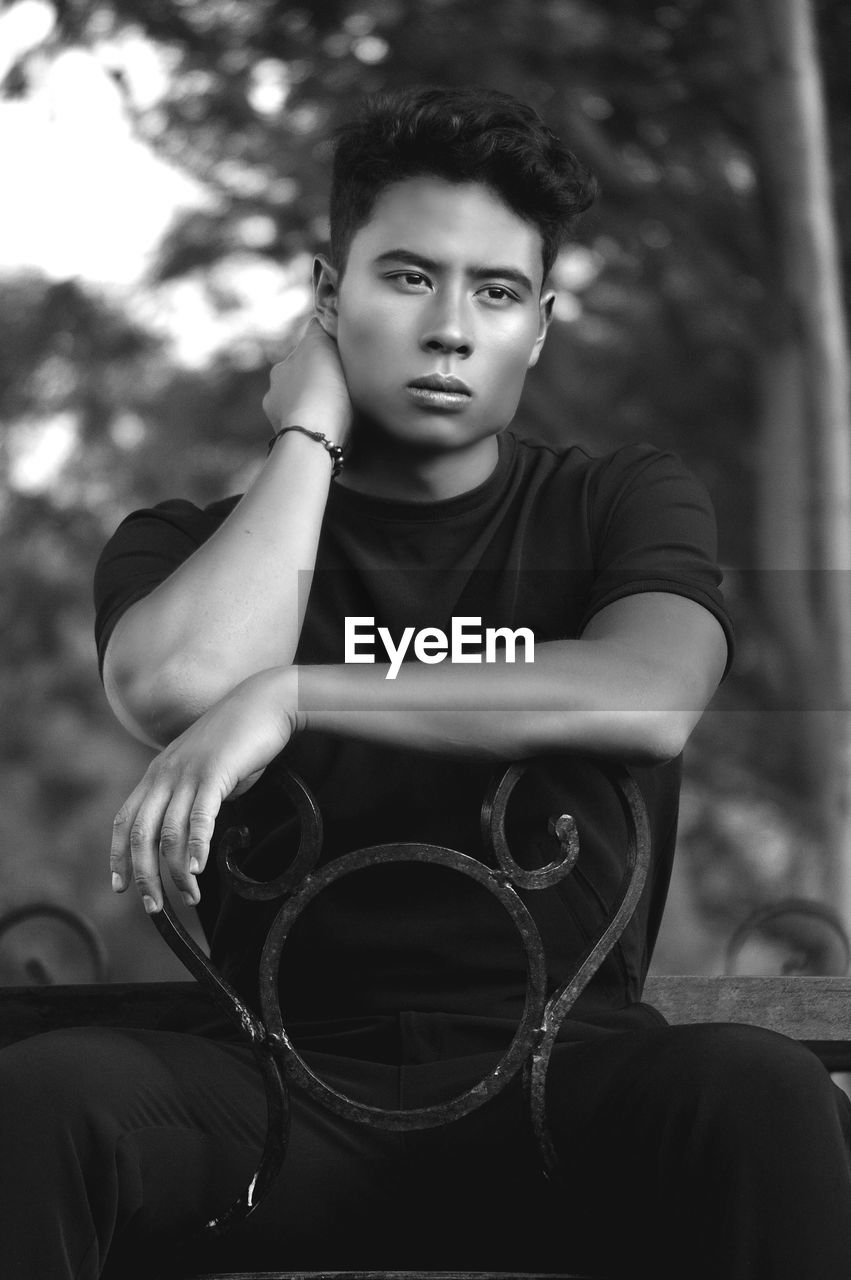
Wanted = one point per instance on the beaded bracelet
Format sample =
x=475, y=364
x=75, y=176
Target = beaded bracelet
x=334, y=449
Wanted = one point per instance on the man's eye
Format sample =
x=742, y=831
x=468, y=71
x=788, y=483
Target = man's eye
x=497, y=293
x=412, y=278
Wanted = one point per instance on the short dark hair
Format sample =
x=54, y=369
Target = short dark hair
x=461, y=135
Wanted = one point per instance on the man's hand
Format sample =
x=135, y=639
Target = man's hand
x=171, y=812
x=309, y=388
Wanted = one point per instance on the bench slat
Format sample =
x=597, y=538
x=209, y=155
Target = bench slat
x=28, y=1011
x=804, y=1008
x=815, y=1010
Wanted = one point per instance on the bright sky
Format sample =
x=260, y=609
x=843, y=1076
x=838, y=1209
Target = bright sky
x=84, y=198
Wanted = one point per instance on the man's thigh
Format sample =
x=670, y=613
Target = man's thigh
x=134, y=1139
x=659, y=1132
x=177, y=1123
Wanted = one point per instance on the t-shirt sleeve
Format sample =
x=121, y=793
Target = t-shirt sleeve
x=145, y=549
x=653, y=529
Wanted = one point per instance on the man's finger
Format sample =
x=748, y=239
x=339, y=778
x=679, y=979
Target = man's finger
x=173, y=841
x=202, y=819
x=120, y=861
x=144, y=842
x=119, y=853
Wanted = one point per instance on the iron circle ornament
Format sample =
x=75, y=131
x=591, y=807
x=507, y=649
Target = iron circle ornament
x=237, y=839
x=522, y=1043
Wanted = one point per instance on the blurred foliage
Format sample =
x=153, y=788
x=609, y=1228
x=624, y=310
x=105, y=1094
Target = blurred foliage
x=662, y=304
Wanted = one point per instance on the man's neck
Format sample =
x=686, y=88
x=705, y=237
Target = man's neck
x=406, y=475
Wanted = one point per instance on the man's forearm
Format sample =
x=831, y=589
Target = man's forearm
x=236, y=606
x=582, y=695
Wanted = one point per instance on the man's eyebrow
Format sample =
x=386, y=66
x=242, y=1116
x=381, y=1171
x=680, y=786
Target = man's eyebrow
x=413, y=259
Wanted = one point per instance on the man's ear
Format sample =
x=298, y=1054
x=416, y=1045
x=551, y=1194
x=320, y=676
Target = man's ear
x=545, y=315
x=325, y=282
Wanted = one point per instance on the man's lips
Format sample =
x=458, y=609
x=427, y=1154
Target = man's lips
x=441, y=383
x=440, y=393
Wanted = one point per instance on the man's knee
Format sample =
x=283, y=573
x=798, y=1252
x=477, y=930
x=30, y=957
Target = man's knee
x=736, y=1084
x=743, y=1059
x=720, y=1080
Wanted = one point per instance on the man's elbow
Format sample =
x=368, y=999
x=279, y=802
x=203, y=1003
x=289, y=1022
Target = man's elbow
x=633, y=736
x=643, y=738
x=662, y=736
x=157, y=705
x=664, y=715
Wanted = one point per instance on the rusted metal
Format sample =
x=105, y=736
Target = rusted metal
x=307, y=855
x=416, y=1117
x=492, y=827
x=202, y=968
x=303, y=880
x=561, y=1002
x=277, y=1096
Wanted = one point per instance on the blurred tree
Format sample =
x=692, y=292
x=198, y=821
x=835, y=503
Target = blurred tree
x=803, y=522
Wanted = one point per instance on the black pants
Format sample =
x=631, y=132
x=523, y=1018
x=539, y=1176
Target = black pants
x=706, y=1151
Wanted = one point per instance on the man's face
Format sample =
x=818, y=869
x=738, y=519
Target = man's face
x=442, y=286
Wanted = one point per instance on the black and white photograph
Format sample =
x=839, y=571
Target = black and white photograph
x=425, y=493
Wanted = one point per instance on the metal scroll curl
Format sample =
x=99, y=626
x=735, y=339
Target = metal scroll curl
x=277, y=1096
x=562, y=1000
x=531, y=1046
x=307, y=855
x=494, y=810
x=234, y=841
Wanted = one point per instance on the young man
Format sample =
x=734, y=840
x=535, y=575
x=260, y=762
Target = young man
x=240, y=636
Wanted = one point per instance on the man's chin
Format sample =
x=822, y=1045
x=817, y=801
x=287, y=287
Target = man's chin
x=427, y=433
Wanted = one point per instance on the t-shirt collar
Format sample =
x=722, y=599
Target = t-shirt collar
x=370, y=506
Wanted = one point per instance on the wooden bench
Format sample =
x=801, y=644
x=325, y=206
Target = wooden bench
x=816, y=1011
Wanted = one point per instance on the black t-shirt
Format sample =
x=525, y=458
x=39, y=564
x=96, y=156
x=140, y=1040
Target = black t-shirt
x=551, y=537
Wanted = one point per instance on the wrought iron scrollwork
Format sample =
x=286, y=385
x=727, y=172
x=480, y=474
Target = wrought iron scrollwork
x=524, y=1038
x=531, y=1047
x=563, y=1000
x=307, y=854
x=71, y=919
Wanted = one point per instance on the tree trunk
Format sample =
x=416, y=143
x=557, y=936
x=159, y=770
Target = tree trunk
x=806, y=450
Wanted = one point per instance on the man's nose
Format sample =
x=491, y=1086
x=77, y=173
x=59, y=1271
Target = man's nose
x=448, y=327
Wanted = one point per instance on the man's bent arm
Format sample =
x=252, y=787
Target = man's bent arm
x=236, y=606
x=634, y=686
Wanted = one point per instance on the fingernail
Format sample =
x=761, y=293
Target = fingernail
x=194, y=866
x=188, y=898
x=150, y=904
x=117, y=882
